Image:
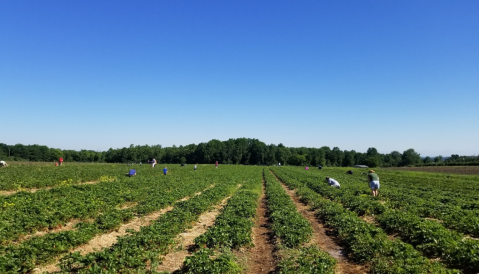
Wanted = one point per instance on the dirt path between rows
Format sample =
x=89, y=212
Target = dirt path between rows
x=107, y=240
x=173, y=261
x=32, y=190
x=260, y=258
x=70, y=225
x=320, y=237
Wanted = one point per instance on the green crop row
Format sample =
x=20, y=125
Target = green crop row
x=286, y=222
x=26, y=212
x=363, y=242
x=233, y=227
x=350, y=194
x=19, y=258
x=433, y=239
x=294, y=231
x=429, y=237
x=205, y=260
x=139, y=251
x=149, y=192
x=18, y=177
x=453, y=217
x=400, y=193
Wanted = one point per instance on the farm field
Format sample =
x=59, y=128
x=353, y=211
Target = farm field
x=471, y=170
x=91, y=218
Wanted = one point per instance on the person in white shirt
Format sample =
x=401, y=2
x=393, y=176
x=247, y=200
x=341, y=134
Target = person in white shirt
x=153, y=162
x=332, y=182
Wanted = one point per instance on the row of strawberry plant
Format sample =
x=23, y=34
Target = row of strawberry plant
x=17, y=177
x=455, y=189
x=232, y=229
x=139, y=252
x=348, y=194
x=25, y=212
x=39, y=250
x=293, y=230
x=395, y=196
x=429, y=237
x=365, y=243
x=453, y=217
x=287, y=223
x=18, y=258
x=449, y=198
x=433, y=239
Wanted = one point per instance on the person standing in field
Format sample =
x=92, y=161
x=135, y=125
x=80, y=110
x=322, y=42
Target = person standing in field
x=153, y=162
x=165, y=170
x=216, y=164
x=332, y=182
x=373, y=182
x=60, y=160
x=195, y=166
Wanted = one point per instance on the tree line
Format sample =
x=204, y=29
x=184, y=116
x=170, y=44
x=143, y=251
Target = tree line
x=240, y=151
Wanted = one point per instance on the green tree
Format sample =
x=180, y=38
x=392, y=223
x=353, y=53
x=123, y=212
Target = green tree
x=373, y=156
x=371, y=161
x=427, y=160
x=438, y=159
x=349, y=158
x=282, y=154
x=410, y=158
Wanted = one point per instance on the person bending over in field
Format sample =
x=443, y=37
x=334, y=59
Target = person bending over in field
x=3, y=164
x=131, y=173
x=373, y=182
x=332, y=182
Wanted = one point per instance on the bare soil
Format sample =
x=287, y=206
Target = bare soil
x=173, y=261
x=321, y=237
x=260, y=258
x=67, y=227
x=106, y=240
x=368, y=219
x=434, y=219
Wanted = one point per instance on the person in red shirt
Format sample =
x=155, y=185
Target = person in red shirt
x=216, y=164
x=61, y=160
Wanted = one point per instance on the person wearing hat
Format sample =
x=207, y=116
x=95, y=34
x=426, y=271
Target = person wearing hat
x=373, y=182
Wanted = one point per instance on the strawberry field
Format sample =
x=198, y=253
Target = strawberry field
x=419, y=223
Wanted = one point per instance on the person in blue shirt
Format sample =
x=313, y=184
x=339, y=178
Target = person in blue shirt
x=165, y=170
x=131, y=173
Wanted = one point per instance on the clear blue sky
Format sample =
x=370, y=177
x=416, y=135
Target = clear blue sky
x=352, y=74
